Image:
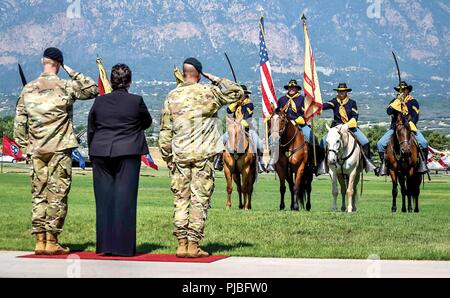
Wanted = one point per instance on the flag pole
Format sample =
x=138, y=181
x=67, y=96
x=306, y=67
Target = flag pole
x=1, y=133
x=303, y=18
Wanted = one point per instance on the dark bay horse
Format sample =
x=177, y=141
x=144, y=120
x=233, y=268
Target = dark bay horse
x=292, y=159
x=239, y=164
x=402, y=160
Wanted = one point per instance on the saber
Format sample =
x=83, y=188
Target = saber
x=398, y=68
x=22, y=76
x=231, y=67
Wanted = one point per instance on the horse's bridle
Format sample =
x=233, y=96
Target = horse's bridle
x=408, y=140
x=337, y=151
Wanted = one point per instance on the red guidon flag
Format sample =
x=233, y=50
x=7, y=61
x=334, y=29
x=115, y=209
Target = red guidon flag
x=437, y=160
x=104, y=86
x=11, y=148
x=313, y=98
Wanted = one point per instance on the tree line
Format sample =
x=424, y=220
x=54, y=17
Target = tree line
x=436, y=139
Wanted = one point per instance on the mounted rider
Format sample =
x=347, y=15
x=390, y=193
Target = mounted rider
x=243, y=109
x=295, y=103
x=406, y=104
x=345, y=111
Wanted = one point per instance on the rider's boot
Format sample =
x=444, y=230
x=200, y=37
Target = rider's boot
x=218, y=162
x=367, y=159
x=261, y=165
x=423, y=161
x=382, y=170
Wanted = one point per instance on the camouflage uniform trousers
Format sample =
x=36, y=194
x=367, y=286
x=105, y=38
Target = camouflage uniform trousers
x=51, y=178
x=192, y=186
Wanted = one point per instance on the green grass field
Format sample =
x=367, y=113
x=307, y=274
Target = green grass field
x=263, y=231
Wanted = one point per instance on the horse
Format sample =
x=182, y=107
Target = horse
x=344, y=161
x=291, y=152
x=239, y=164
x=402, y=159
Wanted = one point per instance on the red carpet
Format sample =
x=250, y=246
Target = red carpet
x=84, y=255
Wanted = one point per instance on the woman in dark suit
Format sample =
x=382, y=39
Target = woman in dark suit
x=116, y=141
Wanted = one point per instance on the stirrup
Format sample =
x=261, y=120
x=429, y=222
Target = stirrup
x=369, y=166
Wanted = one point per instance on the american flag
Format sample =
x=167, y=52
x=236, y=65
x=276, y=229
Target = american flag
x=267, y=89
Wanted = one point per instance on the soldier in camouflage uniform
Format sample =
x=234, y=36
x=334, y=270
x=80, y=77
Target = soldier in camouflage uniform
x=189, y=140
x=43, y=129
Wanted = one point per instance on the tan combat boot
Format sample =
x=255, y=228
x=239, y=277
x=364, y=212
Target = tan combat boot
x=182, y=248
x=39, y=249
x=194, y=251
x=52, y=247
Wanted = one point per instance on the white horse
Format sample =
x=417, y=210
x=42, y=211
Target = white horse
x=344, y=161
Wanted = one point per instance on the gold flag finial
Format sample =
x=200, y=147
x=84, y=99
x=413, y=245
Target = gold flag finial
x=304, y=19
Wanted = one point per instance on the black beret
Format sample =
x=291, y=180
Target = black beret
x=194, y=62
x=54, y=54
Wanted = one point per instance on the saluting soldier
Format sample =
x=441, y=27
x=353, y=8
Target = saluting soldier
x=295, y=103
x=406, y=104
x=44, y=131
x=243, y=109
x=345, y=111
x=188, y=141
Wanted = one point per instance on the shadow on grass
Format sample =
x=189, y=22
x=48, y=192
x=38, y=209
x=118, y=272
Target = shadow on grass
x=214, y=247
x=149, y=247
x=78, y=247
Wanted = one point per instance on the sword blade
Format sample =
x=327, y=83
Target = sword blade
x=231, y=67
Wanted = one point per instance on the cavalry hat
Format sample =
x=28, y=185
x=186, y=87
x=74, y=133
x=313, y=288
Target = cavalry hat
x=246, y=91
x=194, y=62
x=292, y=83
x=402, y=85
x=54, y=54
x=343, y=87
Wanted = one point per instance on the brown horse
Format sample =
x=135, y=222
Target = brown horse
x=239, y=164
x=291, y=152
x=402, y=159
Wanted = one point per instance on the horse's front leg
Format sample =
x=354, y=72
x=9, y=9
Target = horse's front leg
x=351, y=189
x=403, y=189
x=334, y=190
x=411, y=190
x=282, y=177
x=229, y=179
x=246, y=181
x=298, y=190
x=308, y=188
x=237, y=180
x=417, y=191
x=394, y=180
x=355, y=190
x=341, y=179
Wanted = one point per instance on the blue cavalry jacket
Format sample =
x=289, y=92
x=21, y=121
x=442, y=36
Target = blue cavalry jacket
x=413, y=111
x=350, y=108
x=299, y=105
x=247, y=110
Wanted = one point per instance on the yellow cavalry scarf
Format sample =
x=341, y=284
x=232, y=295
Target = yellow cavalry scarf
x=238, y=114
x=399, y=104
x=291, y=102
x=342, y=111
